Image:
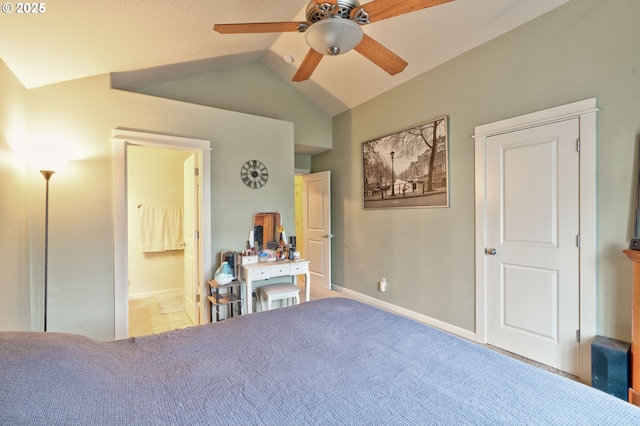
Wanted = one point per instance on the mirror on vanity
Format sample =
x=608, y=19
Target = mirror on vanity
x=265, y=230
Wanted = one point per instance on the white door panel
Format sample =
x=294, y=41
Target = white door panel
x=533, y=223
x=530, y=301
x=529, y=215
x=316, y=223
x=315, y=250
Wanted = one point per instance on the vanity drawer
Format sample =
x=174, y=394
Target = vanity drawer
x=261, y=273
x=299, y=268
x=279, y=270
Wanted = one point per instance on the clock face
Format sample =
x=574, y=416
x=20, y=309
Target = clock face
x=254, y=174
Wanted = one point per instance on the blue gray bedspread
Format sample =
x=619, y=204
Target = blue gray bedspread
x=330, y=362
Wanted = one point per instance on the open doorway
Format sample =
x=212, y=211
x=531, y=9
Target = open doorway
x=124, y=140
x=313, y=224
x=156, y=239
x=297, y=184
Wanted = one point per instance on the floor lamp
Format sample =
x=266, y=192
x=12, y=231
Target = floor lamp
x=47, y=175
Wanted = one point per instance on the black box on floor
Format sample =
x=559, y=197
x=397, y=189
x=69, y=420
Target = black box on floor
x=610, y=370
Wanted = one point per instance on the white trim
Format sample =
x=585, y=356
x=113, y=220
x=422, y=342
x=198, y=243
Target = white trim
x=466, y=334
x=159, y=140
x=121, y=138
x=527, y=121
x=480, y=227
x=585, y=111
x=167, y=292
x=588, y=236
x=301, y=171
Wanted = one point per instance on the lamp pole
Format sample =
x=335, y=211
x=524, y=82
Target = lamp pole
x=47, y=175
x=393, y=179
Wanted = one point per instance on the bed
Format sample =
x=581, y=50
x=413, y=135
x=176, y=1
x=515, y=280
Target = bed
x=332, y=361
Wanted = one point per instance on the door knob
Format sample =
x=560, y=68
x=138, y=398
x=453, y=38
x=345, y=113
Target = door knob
x=490, y=251
x=327, y=236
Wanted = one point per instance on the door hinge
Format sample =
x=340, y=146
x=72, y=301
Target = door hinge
x=197, y=298
x=577, y=336
x=197, y=235
x=196, y=172
x=578, y=145
x=578, y=240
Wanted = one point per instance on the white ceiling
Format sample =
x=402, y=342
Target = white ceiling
x=164, y=40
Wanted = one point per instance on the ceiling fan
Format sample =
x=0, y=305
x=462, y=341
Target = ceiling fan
x=333, y=27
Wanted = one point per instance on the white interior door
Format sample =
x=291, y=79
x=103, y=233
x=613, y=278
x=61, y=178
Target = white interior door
x=532, y=255
x=191, y=284
x=316, y=224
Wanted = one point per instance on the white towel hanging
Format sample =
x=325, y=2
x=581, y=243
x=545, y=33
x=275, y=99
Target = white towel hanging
x=160, y=228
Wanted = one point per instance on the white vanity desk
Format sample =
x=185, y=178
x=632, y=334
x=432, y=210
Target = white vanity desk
x=281, y=268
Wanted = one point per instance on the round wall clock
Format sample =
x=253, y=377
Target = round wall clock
x=254, y=174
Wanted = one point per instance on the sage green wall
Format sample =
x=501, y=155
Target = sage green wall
x=84, y=112
x=303, y=162
x=254, y=89
x=583, y=49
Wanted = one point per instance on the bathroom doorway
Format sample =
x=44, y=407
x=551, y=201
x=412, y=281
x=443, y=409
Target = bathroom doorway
x=156, y=241
x=123, y=140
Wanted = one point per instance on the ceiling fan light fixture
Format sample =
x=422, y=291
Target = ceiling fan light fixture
x=334, y=36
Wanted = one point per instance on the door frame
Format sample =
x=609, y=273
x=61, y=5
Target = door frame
x=585, y=111
x=121, y=138
x=190, y=197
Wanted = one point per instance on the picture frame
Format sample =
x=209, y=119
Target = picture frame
x=408, y=168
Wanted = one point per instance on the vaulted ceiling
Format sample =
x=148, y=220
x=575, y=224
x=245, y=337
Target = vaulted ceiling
x=154, y=41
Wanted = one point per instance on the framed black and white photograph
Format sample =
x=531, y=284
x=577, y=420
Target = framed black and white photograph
x=408, y=168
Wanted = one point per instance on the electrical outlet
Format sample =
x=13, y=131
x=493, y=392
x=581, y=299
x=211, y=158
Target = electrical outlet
x=383, y=285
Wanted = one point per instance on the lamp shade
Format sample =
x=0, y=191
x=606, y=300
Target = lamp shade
x=334, y=36
x=43, y=153
x=43, y=162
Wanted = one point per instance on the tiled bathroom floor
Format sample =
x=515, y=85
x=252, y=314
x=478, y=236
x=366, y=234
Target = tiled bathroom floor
x=145, y=318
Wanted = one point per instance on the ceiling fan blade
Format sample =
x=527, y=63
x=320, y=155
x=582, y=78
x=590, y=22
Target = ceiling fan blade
x=259, y=27
x=308, y=66
x=378, y=10
x=380, y=55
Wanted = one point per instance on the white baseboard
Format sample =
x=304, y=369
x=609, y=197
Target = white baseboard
x=470, y=335
x=168, y=292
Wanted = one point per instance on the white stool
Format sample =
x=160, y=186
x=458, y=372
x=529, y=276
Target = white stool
x=282, y=291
